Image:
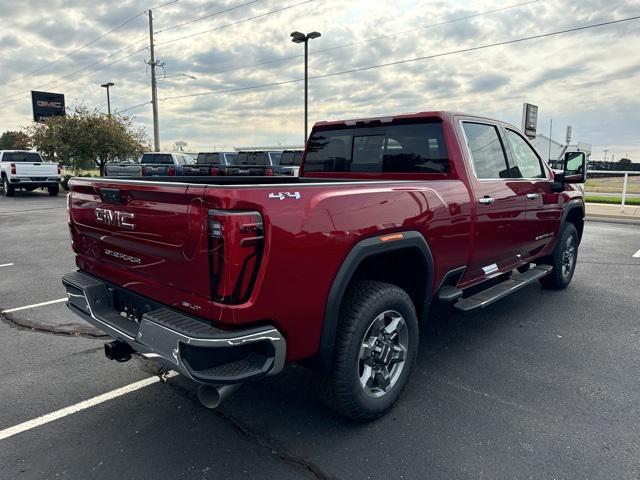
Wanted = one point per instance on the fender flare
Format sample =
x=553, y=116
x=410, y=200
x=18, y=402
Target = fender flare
x=576, y=204
x=359, y=252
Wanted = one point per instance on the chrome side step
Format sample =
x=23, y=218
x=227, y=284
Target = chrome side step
x=501, y=290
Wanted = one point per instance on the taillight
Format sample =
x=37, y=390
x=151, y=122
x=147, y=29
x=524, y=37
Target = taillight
x=215, y=171
x=13, y=169
x=268, y=172
x=59, y=170
x=145, y=171
x=171, y=171
x=236, y=239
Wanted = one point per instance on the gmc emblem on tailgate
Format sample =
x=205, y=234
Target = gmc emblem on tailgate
x=115, y=218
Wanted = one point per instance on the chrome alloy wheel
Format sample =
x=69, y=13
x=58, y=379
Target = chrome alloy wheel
x=383, y=353
x=568, y=256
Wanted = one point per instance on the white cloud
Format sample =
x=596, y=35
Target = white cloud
x=587, y=79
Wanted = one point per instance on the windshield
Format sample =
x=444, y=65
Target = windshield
x=405, y=148
x=16, y=157
x=157, y=158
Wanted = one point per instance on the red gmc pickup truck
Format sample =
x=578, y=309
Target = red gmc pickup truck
x=227, y=279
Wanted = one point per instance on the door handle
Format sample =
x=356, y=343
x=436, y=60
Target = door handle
x=486, y=200
x=532, y=196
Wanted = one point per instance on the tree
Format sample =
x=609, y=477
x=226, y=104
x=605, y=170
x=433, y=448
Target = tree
x=15, y=140
x=85, y=134
x=624, y=162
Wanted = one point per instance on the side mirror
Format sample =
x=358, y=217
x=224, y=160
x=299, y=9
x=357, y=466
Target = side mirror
x=575, y=167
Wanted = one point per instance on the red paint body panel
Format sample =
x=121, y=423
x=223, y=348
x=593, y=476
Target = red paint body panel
x=306, y=240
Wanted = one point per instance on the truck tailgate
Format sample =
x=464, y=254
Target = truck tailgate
x=41, y=169
x=123, y=170
x=151, y=238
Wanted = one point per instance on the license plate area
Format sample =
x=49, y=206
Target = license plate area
x=131, y=307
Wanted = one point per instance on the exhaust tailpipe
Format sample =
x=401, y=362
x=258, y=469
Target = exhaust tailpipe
x=211, y=396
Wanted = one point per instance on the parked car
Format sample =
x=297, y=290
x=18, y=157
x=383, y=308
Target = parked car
x=26, y=170
x=226, y=280
x=211, y=163
x=255, y=163
x=151, y=164
x=290, y=162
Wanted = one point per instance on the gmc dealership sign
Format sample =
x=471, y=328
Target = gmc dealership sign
x=46, y=105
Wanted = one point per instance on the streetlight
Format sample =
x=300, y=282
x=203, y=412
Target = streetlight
x=107, y=85
x=298, y=37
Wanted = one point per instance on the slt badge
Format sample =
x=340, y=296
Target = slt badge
x=283, y=195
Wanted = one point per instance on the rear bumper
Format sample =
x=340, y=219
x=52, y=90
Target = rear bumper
x=34, y=180
x=191, y=346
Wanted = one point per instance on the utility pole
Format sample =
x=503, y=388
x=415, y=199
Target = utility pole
x=550, y=134
x=154, y=93
x=107, y=85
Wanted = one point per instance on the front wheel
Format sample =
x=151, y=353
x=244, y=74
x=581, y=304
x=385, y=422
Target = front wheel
x=375, y=350
x=563, y=260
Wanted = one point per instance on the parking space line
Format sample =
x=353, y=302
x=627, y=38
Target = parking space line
x=78, y=407
x=635, y=255
x=6, y=265
x=50, y=302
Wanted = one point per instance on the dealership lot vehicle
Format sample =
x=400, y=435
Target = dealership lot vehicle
x=26, y=170
x=198, y=273
x=290, y=163
x=151, y=164
x=255, y=163
x=211, y=163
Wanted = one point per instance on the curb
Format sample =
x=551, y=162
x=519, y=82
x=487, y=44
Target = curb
x=596, y=217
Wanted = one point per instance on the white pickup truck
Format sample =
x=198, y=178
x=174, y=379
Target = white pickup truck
x=24, y=169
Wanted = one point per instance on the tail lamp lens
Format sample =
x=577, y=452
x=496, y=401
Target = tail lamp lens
x=59, y=170
x=236, y=240
x=214, y=171
x=13, y=169
x=171, y=171
x=268, y=172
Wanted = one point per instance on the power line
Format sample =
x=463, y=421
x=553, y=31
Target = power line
x=173, y=40
x=409, y=60
x=207, y=16
x=131, y=108
x=381, y=37
x=74, y=51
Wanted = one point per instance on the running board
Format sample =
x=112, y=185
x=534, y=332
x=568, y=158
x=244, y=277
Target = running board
x=495, y=293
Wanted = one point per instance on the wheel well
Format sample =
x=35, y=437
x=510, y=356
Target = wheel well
x=576, y=217
x=405, y=268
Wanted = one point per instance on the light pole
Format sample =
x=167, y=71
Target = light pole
x=107, y=85
x=298, y=37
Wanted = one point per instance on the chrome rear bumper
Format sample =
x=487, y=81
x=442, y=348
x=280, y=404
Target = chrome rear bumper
x=180, y=342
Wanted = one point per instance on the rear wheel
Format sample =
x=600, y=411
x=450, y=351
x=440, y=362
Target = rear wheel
x=53, y=190
x=375, y=350
x=9, y=190
x=563, y=260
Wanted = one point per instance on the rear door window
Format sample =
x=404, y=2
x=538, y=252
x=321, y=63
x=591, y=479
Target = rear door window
x=487, y=151
x=405, y=148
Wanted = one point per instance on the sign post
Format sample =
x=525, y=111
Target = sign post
x=569, y=129
x=529, y=119
x=46, y=104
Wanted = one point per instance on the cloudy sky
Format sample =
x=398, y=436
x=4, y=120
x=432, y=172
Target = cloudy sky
x=589, y=79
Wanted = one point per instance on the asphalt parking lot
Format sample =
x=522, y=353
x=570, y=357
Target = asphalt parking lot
x=541, y=385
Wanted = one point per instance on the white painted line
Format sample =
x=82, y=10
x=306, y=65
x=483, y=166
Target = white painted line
x=6, y=265
x=635, y=255
x=9, y=310
x=78, y=407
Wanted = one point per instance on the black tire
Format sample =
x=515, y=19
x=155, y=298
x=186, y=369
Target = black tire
x=362, y=312
x=563, y=260
x=53, y=190
x=9, y=190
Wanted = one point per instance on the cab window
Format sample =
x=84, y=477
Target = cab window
x=487, y=151
x=526, y=163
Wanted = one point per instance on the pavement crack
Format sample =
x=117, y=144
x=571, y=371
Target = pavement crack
x=27, y=325
x=260, y=439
